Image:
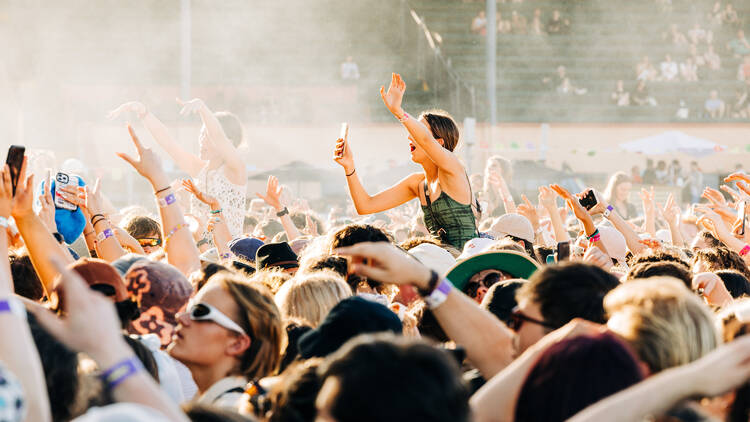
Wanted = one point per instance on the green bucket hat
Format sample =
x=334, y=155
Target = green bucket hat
x=516, y=264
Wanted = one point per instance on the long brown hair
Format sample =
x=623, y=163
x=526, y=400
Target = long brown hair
x=442, y=127
x=261, y=320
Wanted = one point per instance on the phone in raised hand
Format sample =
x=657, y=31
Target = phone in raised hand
x=588, y=200
x=343, y=134
x=62, y=180
x=14, y=160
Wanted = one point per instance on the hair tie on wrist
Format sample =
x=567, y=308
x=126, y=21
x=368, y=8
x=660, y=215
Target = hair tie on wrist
x=351, y=172
x=94, y=216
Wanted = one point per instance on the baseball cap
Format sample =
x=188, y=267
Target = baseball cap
x=516, y=264
x=433, y=257
x=475, y=246
x=514, y=225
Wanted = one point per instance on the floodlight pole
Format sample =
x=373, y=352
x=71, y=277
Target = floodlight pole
x=492, y=61
x=185, y=49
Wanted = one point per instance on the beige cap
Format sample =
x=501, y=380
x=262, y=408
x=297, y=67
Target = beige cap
x=514, y=225
x=475, y=246
x=433, y=257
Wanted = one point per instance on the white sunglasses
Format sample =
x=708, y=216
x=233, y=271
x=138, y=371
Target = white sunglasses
x=206, y=312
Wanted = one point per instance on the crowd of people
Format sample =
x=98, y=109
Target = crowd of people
x=476, y=304
x=538, y=25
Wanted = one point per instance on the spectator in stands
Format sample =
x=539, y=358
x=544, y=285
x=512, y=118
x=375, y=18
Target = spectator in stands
x=479, y=24
x=739, y=46
x=503, y=25
x=713, y=61
x=645, y=71
x=557, y=25
x=743, y=71
x=674, y=173
x=689, y=70
x=641, y=95
x=715, y=16
x=661, y=172
x=635, y=175
x=518, y=23
x=740, y=108
x=730, y=17
x=349, y=70
x=714, y=105
x=620, y=96
x=649, y=174
x=697, y=34
x=683, y=112
x=676, y=37
x=699, y=60
x=557, y=79
x=536, y=23
x=669, y=69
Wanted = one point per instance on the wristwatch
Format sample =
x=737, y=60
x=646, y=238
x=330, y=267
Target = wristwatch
x=608, y=211
x=283, y=212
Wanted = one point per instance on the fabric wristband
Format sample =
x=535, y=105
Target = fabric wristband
x=608, y=211
x=167, y=200
x=104, y=235
x=216, y=211
x=12, y=306
x=594, y=236
x=431, y=285
x=121, y=371
x=404, y=118
x=439, y=295
x=745, y=250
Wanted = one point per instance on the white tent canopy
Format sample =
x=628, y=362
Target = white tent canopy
x=671, y=142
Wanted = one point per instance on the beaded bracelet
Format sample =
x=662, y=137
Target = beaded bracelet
x=745, y=250
x=404, y=118
x=121, y=371
x=174, y=230
x=225, y=255
x=594, y=235
x=217, y=211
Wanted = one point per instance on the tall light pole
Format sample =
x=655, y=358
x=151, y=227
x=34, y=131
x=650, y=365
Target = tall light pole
x=185, y=49
x=491, y=62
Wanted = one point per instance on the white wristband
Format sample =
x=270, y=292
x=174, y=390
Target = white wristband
x=439, y=295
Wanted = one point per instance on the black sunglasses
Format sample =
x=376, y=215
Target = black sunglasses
x=517, y=318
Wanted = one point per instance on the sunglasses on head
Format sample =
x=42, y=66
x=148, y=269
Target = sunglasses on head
x=149, y=241
x=517, y=318
x=206, y=312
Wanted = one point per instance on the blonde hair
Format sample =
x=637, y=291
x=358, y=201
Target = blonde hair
x=311, y=296
x=663, y=321
x=261, y=320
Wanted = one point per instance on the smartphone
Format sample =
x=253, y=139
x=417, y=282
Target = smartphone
x=589, y=200
x=563, y=251
x=743, y=212
x=14, y=162
x=62, y=180
x=343, y=134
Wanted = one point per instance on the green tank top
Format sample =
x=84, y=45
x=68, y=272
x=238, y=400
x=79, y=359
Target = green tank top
x=449, y=220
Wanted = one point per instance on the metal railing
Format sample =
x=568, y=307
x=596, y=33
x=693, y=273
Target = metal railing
x=436, y=70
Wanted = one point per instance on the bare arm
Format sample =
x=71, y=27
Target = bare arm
x=718, y=372
x=39, y=241
x=273, y=199
x=547, y=199
x=19, y=353
x=219, y=140
x=187, y=161
x=108, y=247
x=217, y=226
x=421, y=134
x=178, y=242
x=488, y=342
x=398, y=194
x=671, y=213
x=631, y=237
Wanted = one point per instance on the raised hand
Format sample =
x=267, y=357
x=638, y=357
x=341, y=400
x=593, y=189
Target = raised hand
x=736, y=196
x=273, y=193
x=395, y=95
x=714, y=197
x=547, y=198
x=670, y=211
x=343, y=155
x=132, y=107
x=207, y=199
x=23, y=201
x=47, y=211
x=647, y=197
x=595, y=256
x=311, y=228
x=190, y=107
x=712, y=221
x=6, y=193
x=737, y=176
x=147, y=163
x=381, y=261
x=529, y=211
x=94, y=199
x=572, y=201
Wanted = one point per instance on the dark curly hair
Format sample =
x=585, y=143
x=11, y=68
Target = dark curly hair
x=721, y=258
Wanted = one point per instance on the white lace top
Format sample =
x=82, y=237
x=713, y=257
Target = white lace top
x=231, y=197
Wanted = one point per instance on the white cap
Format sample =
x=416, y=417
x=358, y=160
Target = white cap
x=475, y=246
x=514, y=225
x=433, y=257
x=614, y=242
x=663, y=236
